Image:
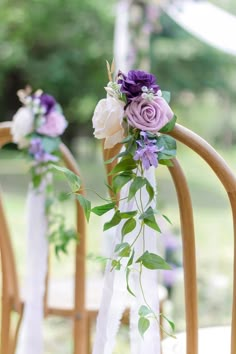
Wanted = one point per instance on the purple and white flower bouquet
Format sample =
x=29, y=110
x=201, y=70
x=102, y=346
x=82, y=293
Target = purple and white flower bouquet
x=36, y=129
x=134, y=114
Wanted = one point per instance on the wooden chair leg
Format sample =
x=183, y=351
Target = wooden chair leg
x=89, y=329
x=5, y=325
x=80, y=334
x=14, y=342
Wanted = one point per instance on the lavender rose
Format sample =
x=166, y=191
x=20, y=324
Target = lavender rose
x=131, y=85
x=149, y=115
x=54, y=125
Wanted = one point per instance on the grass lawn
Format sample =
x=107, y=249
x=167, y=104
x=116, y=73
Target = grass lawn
x=213, y=230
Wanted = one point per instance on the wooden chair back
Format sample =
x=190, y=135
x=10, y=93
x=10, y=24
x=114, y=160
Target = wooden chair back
x=11, y=300
x=228, y=180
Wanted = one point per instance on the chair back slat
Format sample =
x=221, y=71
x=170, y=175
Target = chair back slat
x=189, y=256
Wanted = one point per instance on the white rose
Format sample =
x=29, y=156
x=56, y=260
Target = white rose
x=107, y=121
x=23, y=124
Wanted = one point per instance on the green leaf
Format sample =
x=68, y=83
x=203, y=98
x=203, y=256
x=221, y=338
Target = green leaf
x=171, y=323
x=128, y=214
x=50, y=144
x=169, y=126
x=153, y=261
x=143, y=325
x=150, y=191
x=86, y=205
x=137, y=184
x=144, y=311
x=166, y=95
x=127, y=282
x=166, y=162
x=73, y=180
x=120, y=180
x=128, y=226
x=103, y=209
x=167, y=219
x=116, y=264
x=121, y=154
x=168, y=146
x=130, y=262
x=148, y=218
x=148, y=213
x=151, y=222
x=115, y=220
x=126, y=164
x=123, y=249
x=127, y=139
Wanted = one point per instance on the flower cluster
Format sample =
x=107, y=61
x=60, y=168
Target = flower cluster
x=37, y=126
x=36, y=129
x=134, y=105
x=134, y=114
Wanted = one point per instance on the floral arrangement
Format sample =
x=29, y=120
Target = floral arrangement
x=134, y=114
x=36, y=129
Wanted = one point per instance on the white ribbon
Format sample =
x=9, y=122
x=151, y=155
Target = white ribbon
x=115, y=297
x=31, y=331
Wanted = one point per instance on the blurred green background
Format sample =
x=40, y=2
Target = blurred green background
x=61, y=47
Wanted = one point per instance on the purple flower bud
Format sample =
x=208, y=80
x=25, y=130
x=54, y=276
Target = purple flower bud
x=131, y=85
x=48, y=102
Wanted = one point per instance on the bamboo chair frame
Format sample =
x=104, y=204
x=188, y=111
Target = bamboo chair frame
x=11, y=300
x=228, y=180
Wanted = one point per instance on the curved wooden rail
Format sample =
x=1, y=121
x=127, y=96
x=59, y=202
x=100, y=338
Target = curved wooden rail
x=228, y=179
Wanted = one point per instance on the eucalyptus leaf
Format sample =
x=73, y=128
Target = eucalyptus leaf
x=128, y=226
x=130, y=262
x=137, y=184
x=73, y=180
x=153, y=261
x=143, y=325
x=103, y=209
x=167, y=144
x=169, y=126
x=150, y=191
x=144, y=311
x=50, y=144
x=115, y=220
x=166, y=95
x=128, y=214
x=151, y=222
x=171, y=323
x=120, y=180
x=86, y=205
x=127, y=282
x=116, y=264
x=123, y=249
x=126, y=164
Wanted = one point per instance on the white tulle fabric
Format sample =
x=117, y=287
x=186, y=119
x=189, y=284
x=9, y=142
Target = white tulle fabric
x=115, y=297
x=31, y=331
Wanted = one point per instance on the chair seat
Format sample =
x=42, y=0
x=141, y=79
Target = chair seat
x=215, y=340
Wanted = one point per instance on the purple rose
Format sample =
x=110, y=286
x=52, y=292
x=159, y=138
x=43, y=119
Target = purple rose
x=48, y=102
x=149, y=115
x=131, y=85
x=39, y=154
x=54, y=125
